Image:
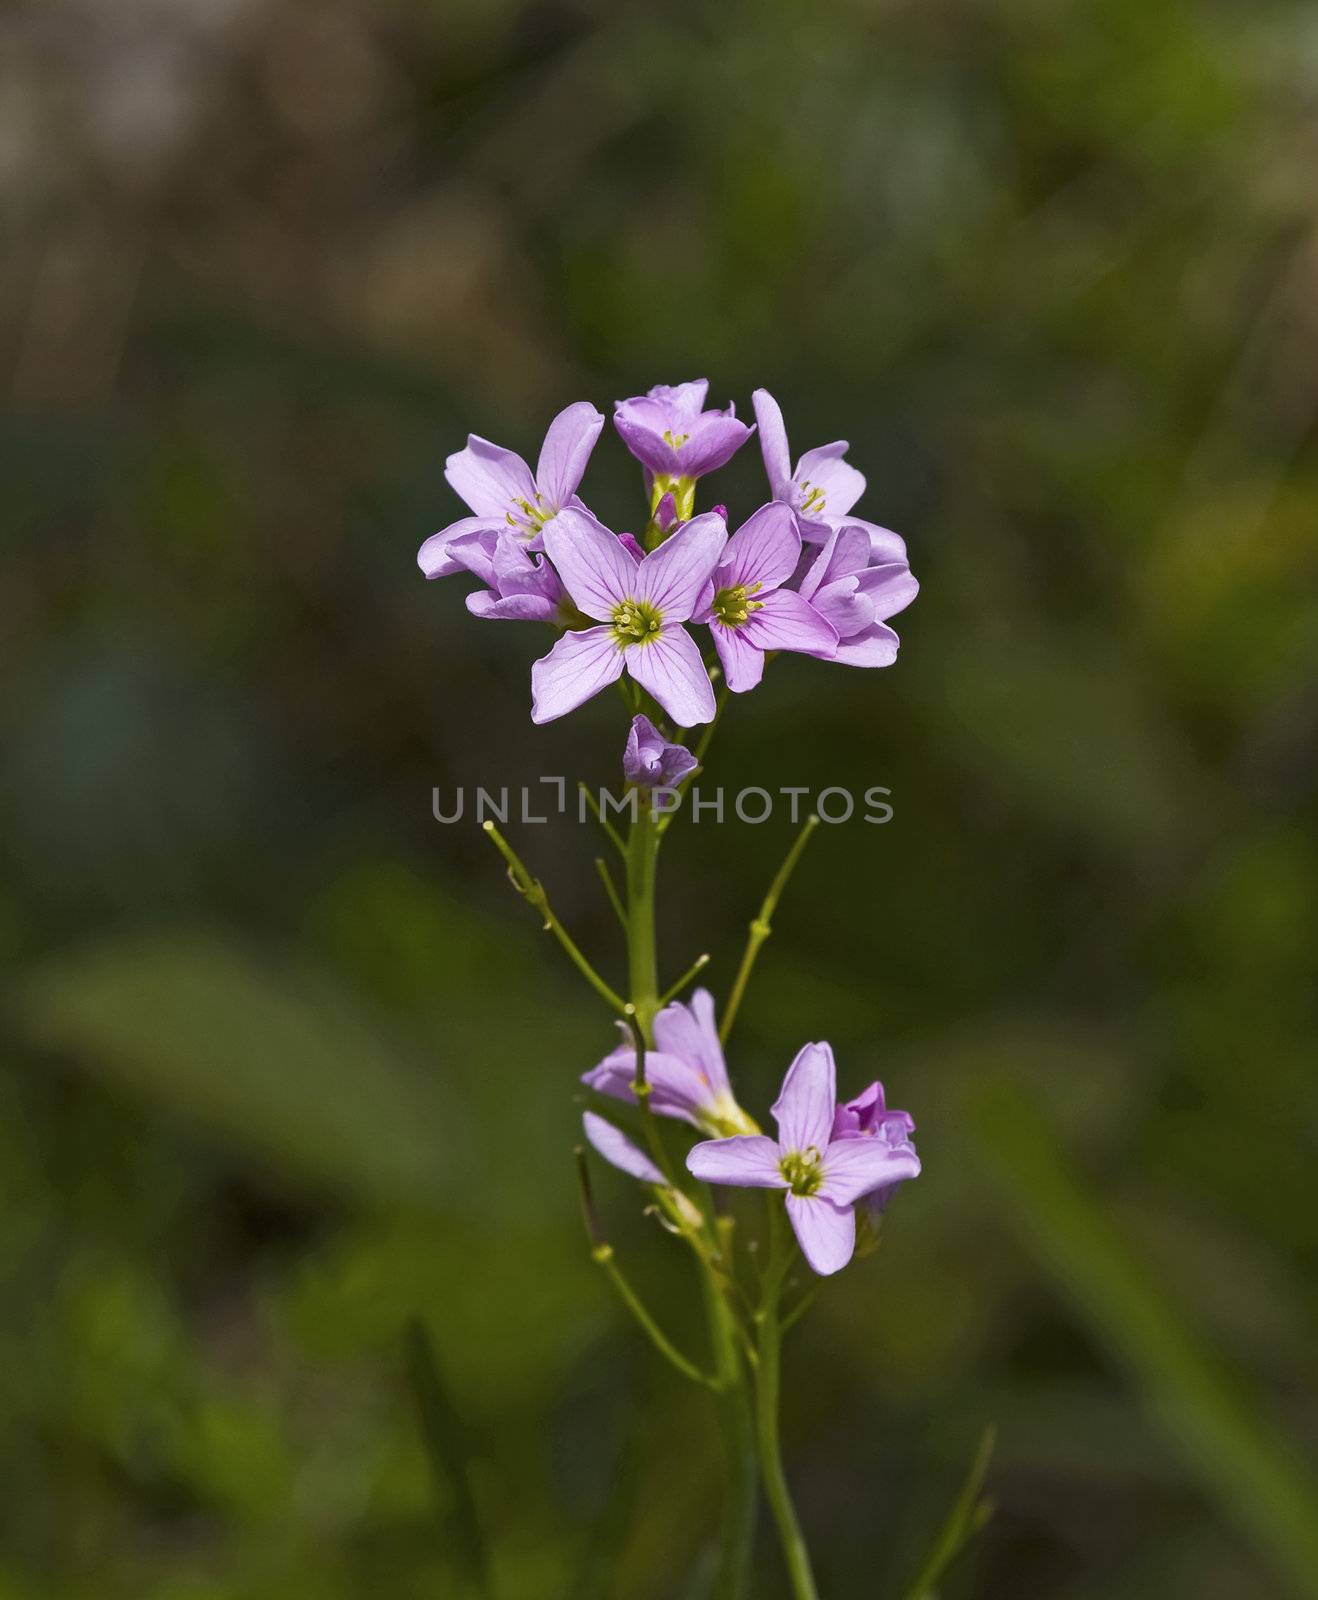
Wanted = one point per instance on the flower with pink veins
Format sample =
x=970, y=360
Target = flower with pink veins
x=821, y=1176
x=822, y=488
x=641, y=606
x=503, y=495
x=746, y=605
x=857, y=596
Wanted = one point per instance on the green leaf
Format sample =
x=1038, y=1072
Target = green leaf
x=1259, y=1479
x=450, y=1456
x=276, y=1059
x=968, y=1515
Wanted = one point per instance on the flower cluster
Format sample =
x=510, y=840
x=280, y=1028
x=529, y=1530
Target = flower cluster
x=827, y=1158
x=802, y=574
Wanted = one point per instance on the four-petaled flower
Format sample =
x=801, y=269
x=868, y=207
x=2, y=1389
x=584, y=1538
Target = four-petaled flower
x=746, y=607
x=856, y=595
x=822, y=488
x=651, y=761
x=821, y=1175
x=642, y=605
x=503, y=496
x=686, y=1072
x=675, y=439
x=867, y=1117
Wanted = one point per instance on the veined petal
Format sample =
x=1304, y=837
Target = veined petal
x=743, y=661
x=671, y=578
x=746, y=1161
x=715, y=439
x=853, y=1167
x=511, y=607
x=805, y=1106
x=676, y=1088
x=478, y=553
x=875, y=647
x=579, y=666
x=489, y=478
x=825, y=1232
x=773, y=443
x=689, y=1032
x=618, y=1150
x=685, y=399
x=885, y=545
x=645, y=442
x=436, y=558
x=764, y=550
x=842, y=603
x=596, y=569
x=568, y=443
x=669, y=666
x=786, y=622
x=891, y=586
x=840, y=483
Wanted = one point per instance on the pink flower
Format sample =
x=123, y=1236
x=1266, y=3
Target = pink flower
x=822, y=1176
x=642, y=606
x=503, y=496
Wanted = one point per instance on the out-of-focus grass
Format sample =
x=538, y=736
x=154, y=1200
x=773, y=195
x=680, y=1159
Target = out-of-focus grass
x=286, y=1065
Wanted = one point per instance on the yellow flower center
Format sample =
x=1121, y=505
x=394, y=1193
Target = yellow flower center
x=733, y=606
x=804, y=1171
x=636, y=622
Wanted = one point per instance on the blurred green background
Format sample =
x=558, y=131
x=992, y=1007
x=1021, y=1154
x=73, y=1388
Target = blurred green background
x=284, y=1062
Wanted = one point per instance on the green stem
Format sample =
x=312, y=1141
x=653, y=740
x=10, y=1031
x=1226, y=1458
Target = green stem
x=643, y=966
x=762, y=926
x=533, y=891
x=737, y=1431
x=603, y=1255
x=675, y=989
x=768, y=1375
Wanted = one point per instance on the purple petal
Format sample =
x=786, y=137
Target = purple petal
x=845, y=553
x=650, y=759
x=689, y=1032
x=853, y=1167
x=477, y=552
x=435, y=557
x=677, y=1089
x=579, y=666
x=669, y=666
x=746, y=1161
x=885, y=545
x=842, y=604
x=715, y=439
x=511, y=608
x=824, y=469
x=764, y=550
x=619, y=1151
x=597, y=571
x=773, y=443
x=891, y=586
x=682, y=399
x=804, y=1109
x=825, y=1232
x=743, y=661
x=671, y=578
x=786, y=622
x=645, y=440
x=875, y=647
x=489, y=478
x=563, y=456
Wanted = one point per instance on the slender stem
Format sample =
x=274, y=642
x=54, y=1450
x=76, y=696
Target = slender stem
x=673, y=990
x=761, y=927
x=606, y=878
x=768, y=1374
x=737, y=1432
x=642, y=960
x=533, y=891
x=603, y=1255
x=609, y=831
